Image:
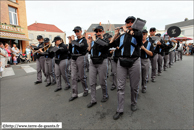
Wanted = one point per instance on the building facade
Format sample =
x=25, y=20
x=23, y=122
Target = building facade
x=186, y=27
x=46, y=30
x=13, y=26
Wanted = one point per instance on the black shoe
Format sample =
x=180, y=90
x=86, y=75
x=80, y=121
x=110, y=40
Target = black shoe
x=164, y=69
x=91, y=104
x=58, y=89
x=112, y=88
x=143, y=91
x=66, y=88
x=37, y=82
x=153, y=80
x=111, y=74
x=48, y=84
x=133, y=107
x=53, y=83
x=117, y=115
x=87, y=70
x=104, y=99
x=85, y=93
x=45, y=80
x=78, y=80
x=73, y=98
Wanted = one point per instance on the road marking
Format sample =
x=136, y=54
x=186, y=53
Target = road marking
x=8, y=72
x=81, y=94
x=28, y=69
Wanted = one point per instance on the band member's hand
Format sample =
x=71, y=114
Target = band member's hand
x=131, y=32
x=94, y=37
x=117, y=48
x=111, y=51
x=142, y=47
x=69, y=38
x=89, y=39
x=124, y=28
x=72, y=37
x=158, y=43
x=117, y=31
x=40, y=50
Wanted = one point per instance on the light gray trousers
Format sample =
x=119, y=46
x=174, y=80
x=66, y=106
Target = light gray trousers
x=49, y=70
x=61, y=69
x=144, y=72
x=134, y=76
x=154, y=65
x=40, y=68
x=101, y=70
x=78, y=69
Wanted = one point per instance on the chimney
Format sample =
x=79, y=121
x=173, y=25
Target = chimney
x=186, y=19
x=36, y=22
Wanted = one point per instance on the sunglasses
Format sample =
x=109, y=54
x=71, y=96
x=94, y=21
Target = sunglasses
x=152, y=30
x=129, y=22
x=98, y=31
x=76, y=31
x=144, y=33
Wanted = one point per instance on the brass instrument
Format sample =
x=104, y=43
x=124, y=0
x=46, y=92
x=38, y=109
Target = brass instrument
x=40, y=48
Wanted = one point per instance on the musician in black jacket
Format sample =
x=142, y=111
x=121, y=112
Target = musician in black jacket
x=129, y=43
x=48, y=61
x=78, y=50
x=61, y=63
x=40, y=59
x=160, y=50
x=98, y=65
x=167, y=46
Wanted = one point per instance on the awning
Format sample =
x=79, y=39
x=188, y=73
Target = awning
x=13, y=36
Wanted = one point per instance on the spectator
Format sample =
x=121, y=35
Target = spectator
x=28, y=53
x=16, y=51
x=9, y=53
x=192, y=52
x=14, y=59
x=190, y=48
x=2, y=55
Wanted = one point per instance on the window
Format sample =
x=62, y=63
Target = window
x=50, y=37
x=13, y=18
x=31, y=36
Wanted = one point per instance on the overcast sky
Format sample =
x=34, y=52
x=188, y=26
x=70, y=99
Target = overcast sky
x=68, y=14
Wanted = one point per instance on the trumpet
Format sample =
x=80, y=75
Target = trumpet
x=40, y=48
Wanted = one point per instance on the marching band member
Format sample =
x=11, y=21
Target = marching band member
x=78, y=49
x=129, y=43
x=180, y=50
x=61, y=63
x=160, y=50
x=176, y=52
x=167, y=46
x=147, y=50
x=48, y=61
x=154, y=58
x=40, y=59
x=98, y=65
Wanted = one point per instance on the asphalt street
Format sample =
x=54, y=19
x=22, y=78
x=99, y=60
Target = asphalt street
x=168, y=103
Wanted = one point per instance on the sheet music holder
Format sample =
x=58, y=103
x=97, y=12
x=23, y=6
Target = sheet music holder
x=138, y=24
x=101, y=42
x=155, y=38
x=54, y=49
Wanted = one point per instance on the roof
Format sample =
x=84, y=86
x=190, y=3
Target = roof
x=43, y=27
x=107, y=27
x=181, y=24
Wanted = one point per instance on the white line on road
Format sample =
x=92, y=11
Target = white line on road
x=81, y=94
x=8, y=72
x=28, y=69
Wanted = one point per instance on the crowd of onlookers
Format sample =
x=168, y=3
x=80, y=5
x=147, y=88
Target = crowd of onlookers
x=13, y=55
x=188, y=49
